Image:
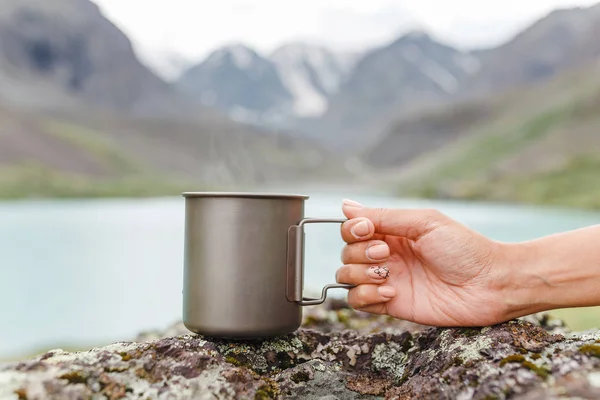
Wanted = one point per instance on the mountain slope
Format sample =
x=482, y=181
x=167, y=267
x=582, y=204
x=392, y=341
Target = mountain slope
x=561, y=40
x=293, y=82
x=239, y=82
x=95, y=154
x=81, y=116
x=64, y=55
x=557, y=43
x=539, y=144
x=390, y=86
x=311, y=74
x=412, y=72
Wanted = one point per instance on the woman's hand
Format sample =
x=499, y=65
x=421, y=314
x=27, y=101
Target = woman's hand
x=422, y=266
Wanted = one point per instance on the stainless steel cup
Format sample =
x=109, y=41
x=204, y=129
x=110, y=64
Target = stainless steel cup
x=243, y=264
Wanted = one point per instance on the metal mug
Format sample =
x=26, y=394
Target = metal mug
x=244, y=264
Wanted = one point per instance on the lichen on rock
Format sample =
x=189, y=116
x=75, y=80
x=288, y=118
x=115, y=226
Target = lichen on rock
x=337, y=354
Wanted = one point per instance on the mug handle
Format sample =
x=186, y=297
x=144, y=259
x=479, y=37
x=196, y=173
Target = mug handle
x=295, y=264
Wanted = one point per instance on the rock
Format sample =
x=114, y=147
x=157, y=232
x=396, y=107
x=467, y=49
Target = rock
x=337, y=354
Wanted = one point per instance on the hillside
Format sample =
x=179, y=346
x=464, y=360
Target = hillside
x=80, y=115
x=106, y=155
x=64, y=55
x=396, y=83
x=563, y=39
x=294, y=82
x=411, y=73
x=538, y=144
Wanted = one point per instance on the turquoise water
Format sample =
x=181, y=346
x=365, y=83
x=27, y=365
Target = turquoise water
x=96, y=271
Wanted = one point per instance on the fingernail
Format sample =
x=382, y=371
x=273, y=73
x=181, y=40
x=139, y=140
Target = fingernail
x=378, y=272
x=387, y=291
x=360, y=230
x=377, y=252
x=351, y=203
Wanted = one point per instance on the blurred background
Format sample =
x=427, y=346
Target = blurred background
x=109, y=109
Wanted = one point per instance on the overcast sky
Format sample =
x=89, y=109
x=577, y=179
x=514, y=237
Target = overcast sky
x=192, y=28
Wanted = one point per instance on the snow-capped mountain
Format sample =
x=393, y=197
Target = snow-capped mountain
x=295, y=81
x=299, y=84
x=240, y=82
x=411, y=72
x=311, y=74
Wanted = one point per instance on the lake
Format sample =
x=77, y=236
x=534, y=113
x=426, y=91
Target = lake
x=87, y=272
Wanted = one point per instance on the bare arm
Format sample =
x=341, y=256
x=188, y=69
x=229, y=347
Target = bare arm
x=557, y=271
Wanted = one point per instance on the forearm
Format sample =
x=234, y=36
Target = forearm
x=557, y=271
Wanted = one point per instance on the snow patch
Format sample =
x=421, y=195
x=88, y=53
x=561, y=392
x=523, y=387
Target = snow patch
x=468, y=63
x=307, y=100
x=311, y=74
x=432, y=69
x=442, y=77
x=242, y=56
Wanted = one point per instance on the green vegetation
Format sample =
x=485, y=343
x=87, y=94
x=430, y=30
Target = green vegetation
x=106, y=152
x=590, y=350
x=574, y=185
x=520, y=359
x=119, y=174
x=34, y=180
x=579, y=319
x=92, y=155
x=549, y=159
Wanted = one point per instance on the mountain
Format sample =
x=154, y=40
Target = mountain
x=536, y=144
x=95, y=154
x=563, y=39
x=311, y=74
x=372, y=94
x=311, y=89
x=412, y=72
x=238, y=81
x=295, y=81
x=554, y=45
x=65, y=55
x=80, y=115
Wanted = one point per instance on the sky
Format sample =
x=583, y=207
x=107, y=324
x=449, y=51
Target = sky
x=190, y=29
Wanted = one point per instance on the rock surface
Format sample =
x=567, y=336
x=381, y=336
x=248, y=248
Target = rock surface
x=337, y=354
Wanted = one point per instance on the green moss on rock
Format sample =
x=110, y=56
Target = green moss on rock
x=590, y=350
x=267, y=391
x=522, y=360
x=300, y=376
x=75, y=377
x=513, y=358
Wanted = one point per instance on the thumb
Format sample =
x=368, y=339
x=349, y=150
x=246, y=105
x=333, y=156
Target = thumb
x=410, y=223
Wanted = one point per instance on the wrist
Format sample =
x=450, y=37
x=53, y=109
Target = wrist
x=525, y=284
x=557, y=271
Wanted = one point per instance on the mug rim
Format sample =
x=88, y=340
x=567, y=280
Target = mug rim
x=254, y=195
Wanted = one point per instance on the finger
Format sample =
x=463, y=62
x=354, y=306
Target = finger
x=367, y=295
x=357, y=229
x=412, y=224
x=359, y=274
x=369, y=252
